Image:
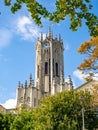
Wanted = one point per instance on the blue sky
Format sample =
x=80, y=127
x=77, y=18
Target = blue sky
x=18, y=35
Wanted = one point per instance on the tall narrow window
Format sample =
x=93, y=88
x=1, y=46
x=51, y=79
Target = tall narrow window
x=56, y=67
x=53, y=66
x=38, y=71
x=46, y=67
x=49, y=66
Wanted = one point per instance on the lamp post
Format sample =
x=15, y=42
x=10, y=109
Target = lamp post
x=83, y=123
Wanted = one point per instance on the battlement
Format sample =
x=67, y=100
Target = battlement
x=49, y=37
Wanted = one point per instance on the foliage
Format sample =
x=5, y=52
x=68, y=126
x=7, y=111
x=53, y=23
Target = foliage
x=91, y=120
x=77, y=10
x=22, y=121
x=63, y=111
x=1, y=122
x=23, y=107
x=59, y=112
x=90, y=64
x=6, y=121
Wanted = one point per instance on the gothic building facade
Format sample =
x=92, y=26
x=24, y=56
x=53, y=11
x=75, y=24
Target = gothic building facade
x=49, y=74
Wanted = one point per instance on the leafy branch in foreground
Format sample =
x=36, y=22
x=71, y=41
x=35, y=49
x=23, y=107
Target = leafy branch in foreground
x=90, y=63
x=77, y=10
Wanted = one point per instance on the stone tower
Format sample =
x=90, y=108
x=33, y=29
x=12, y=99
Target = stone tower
x=49, y=74
x=49, y=65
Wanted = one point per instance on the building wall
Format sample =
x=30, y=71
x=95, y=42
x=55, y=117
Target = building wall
x=2, y=110
x=88, y=86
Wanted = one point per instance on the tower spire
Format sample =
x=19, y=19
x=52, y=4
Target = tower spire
x=30, y=78
x=19, y=84
x=41, y=36
x=50, y=33
x=25, y=83
x=59, y=37
x=70, y=82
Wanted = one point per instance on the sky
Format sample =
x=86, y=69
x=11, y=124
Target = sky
x=18, y=36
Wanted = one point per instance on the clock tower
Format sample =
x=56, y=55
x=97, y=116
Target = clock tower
x=49, y=73
x=49, y=65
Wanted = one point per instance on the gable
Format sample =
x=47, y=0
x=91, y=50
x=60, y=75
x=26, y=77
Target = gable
x=88, y=86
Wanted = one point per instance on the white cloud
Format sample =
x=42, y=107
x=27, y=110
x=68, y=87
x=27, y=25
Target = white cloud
x=11, y=103
x=5, y=37
x=79, y=74
x=26, y=28
x=95, y=76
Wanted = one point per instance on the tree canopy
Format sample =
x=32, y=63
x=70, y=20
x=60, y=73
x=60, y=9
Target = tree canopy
x=90, y=63
x=6, y=121
x=77, y=10
x=62, y=111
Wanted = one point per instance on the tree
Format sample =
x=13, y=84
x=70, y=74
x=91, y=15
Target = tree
x=22, y=121
x=90, y=63
x=95, y=103
x=1, y=117
x=6, y=121
x=77, y=10
x=63, y=111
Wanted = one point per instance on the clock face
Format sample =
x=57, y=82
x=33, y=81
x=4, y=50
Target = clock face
x=46, y=45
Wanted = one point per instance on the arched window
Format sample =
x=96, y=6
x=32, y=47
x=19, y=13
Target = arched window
x=56, y=67
x=46, y=67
